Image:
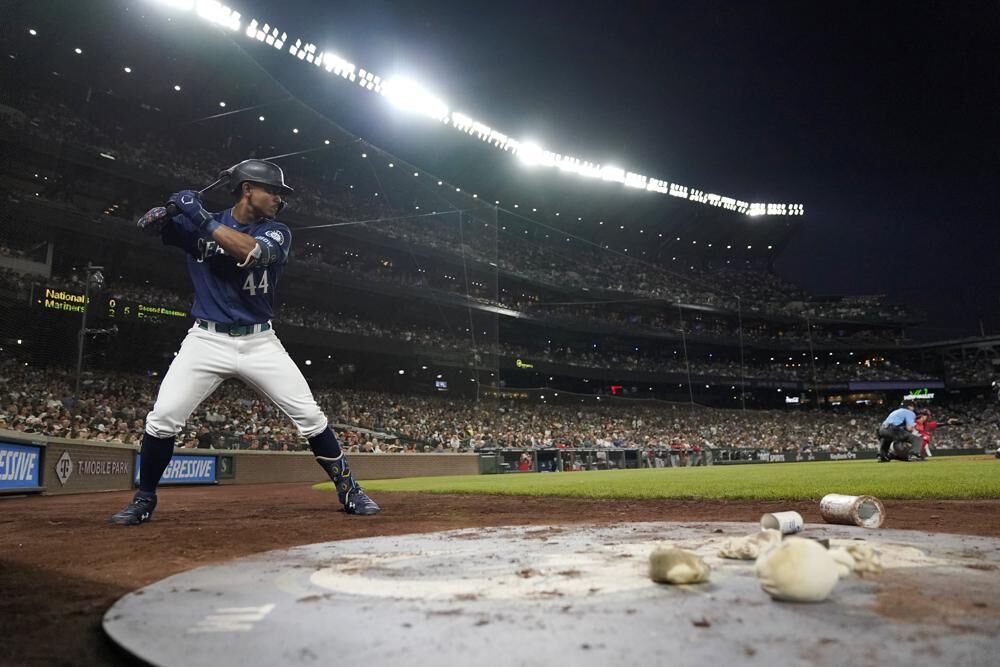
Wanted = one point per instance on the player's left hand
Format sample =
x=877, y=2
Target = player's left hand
x=189, y=203
x=153, y=220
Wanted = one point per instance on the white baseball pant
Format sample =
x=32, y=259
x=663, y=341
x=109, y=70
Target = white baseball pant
x=207, y=358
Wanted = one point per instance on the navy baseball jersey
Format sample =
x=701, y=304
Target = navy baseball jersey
x=224, y=292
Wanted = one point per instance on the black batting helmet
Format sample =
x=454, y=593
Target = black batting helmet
x=256, y=171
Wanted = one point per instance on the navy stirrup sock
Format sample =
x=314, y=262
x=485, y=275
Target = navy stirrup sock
x=330, y=456
x=325, y=444
x=155, y=455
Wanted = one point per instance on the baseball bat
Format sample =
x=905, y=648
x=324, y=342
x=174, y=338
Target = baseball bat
x=172, y=209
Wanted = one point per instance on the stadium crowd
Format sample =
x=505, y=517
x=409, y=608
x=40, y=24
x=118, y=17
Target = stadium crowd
x=971, y=372
x=459, y=345
x=112, y=406
x=537, y=259
x=354, y=264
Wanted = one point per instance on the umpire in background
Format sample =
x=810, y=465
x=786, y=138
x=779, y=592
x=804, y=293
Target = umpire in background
x=899, y=426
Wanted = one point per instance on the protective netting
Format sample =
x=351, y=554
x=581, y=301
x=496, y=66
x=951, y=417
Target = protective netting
x=471, y=294
x=400, y=280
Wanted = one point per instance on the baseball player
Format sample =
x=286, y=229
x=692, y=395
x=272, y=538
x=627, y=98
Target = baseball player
x=926, y=426
x=235, y=259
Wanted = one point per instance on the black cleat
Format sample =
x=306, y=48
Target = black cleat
x=140, y=510
x=359, y=503
x=884, y=459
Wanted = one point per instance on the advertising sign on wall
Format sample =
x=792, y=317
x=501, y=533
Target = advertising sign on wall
x=184, y=469
x=20, y=466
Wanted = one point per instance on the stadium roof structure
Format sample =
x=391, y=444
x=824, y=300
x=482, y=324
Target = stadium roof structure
x=210, y=84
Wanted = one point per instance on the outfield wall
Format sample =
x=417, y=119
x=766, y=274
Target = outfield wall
x=54, y=466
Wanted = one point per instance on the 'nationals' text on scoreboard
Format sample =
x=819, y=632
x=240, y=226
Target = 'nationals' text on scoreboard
x=112, y=307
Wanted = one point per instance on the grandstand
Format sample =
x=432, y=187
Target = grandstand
x=480, y=282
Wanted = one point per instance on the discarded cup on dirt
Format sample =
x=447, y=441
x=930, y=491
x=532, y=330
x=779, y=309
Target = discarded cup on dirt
x=864, y=511
x=788, y=523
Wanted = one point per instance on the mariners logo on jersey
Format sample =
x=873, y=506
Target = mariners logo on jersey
x=208, y=249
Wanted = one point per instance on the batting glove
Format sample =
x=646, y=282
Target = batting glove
x=153, y=220
x=189, y=203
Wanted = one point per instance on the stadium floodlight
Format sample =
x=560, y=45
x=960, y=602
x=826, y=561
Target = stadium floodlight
x=177, y=87
x=78, y=51
x=337, y=65
x=408, y=95
x=216, y=12
x=183, y=5
x=32, y=32
x=128, y=70
x=260, y=118
x=611, y=173
x=530, y=153
x=295, y=130
x=222, y=104
x=326, y=142
x=635, y=181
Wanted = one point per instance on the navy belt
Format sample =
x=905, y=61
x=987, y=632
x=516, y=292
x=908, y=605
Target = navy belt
x=233, y=329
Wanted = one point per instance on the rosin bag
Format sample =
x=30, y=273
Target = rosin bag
x=798, y=570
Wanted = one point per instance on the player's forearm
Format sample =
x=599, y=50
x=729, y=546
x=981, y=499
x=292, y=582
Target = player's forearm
x=235, y=243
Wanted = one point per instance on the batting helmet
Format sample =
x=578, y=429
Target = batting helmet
x=257, y=171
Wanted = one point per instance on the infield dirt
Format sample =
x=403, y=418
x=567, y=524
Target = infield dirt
x=62, y=565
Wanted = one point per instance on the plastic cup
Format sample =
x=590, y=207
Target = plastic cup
x=788, y=523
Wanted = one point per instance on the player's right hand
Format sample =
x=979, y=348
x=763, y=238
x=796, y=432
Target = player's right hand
x=153, y=220
x=188, y=202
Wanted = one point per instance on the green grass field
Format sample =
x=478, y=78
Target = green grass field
x=945, y=477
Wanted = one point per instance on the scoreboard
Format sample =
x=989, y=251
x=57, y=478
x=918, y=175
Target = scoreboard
x=112, y=308
x=120, y=309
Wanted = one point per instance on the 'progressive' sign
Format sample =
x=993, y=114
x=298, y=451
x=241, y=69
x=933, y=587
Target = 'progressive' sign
x=19, y=466
x=185, y=470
